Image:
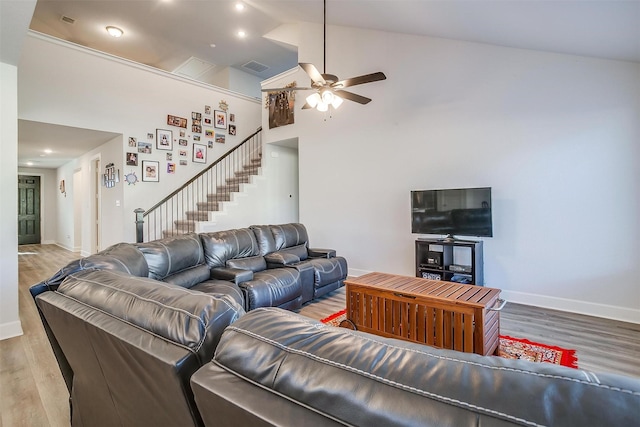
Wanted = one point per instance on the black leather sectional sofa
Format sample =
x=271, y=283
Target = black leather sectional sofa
x=191, y=331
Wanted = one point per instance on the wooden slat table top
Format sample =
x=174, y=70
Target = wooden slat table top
x=470, y=295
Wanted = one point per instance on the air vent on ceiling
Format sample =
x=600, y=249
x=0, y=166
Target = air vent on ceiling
x=254, y=66
x=67, y=19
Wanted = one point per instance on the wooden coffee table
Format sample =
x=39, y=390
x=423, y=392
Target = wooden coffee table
x=438, y=313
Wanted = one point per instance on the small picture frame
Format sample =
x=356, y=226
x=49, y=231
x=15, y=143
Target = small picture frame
x=176, y=121
x=150, y=171
x=232, y=129
x=164, y=139
x=171, y=168
x=232, y=117
x=220, y=119
x=208, y=133
x=132, y=159
x=199, y=153
x=220, y=137
x=182, y=142
x=207, y=109
x=133, y=141
x=144, y=147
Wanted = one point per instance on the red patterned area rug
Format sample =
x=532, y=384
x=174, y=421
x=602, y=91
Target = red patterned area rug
x=510, y=348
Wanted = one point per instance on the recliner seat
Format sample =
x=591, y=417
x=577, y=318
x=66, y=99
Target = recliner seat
x=234, y=255
x=288, y=245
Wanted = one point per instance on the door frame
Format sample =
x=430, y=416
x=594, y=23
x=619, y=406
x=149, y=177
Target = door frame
x=42, y=202
x=96, y=204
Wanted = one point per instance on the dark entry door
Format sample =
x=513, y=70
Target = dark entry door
x=28, y=209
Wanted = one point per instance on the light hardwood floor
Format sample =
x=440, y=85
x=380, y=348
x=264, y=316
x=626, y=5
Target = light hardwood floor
x=33, y=393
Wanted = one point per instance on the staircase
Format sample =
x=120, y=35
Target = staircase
x=196, y=201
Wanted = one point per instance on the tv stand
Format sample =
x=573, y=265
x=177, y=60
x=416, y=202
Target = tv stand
x=450, y=259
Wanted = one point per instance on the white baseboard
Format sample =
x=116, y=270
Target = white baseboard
x=354, y=272
x=10, y=330
x=70, y=249
x=574, y=306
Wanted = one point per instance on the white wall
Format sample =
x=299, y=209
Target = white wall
x=65, y=207
x=271, y=197
x=100, y=92
x=555, y=136
x=9, y=318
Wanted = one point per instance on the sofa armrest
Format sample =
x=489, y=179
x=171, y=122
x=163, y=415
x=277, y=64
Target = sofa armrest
x=321, y=253
x=235, y=275
x=280, y=259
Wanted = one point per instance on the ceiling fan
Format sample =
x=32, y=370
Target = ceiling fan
x=328, y=88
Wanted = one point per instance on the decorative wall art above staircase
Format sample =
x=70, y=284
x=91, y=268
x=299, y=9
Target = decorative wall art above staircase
x=191, y=206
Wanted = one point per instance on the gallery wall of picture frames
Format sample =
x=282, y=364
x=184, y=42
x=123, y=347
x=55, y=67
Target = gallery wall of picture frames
x=207, y=127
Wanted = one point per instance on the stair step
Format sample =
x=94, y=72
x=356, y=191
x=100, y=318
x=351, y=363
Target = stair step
x=197, y=215
x=174, y=232
x=208, y=206
x=256, y=160
x=238, y=180
x=231, y=188
x=219, y=197
x=247, y=172
x=185, y=224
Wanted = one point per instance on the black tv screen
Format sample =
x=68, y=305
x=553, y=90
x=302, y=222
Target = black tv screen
x=461, y=211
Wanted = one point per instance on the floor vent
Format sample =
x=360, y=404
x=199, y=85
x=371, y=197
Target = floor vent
x=67, y=19
x=254, y=66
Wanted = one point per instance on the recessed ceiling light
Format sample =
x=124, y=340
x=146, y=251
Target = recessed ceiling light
x=212, y=45
x=48, y=151
x=239, y=7
x=114, y=31
x=242, y=34
x=29, y=163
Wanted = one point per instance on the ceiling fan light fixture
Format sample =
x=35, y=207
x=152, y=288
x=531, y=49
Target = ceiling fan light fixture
x=322, y=106
x=337, y=101
x=327, y=96
x=313, y=99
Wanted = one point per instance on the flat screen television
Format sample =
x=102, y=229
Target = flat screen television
x=452, y=212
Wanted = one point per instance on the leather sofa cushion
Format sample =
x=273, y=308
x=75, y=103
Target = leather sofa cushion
x=221, y=246
x=219, y=288
x=288, y=235
x=124, y=257
x=299, y=251
x=183, y=316
x=189, y=277
x=366, y=380
x=172, y=254
x=328, y=270
x=265, y=239
x=272, y=288
x=254, y=263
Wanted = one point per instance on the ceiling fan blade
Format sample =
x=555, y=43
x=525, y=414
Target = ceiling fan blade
x=367, y=78
x=306, y=106
x=313, y=72
x=352, y=97
x=280, y=89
